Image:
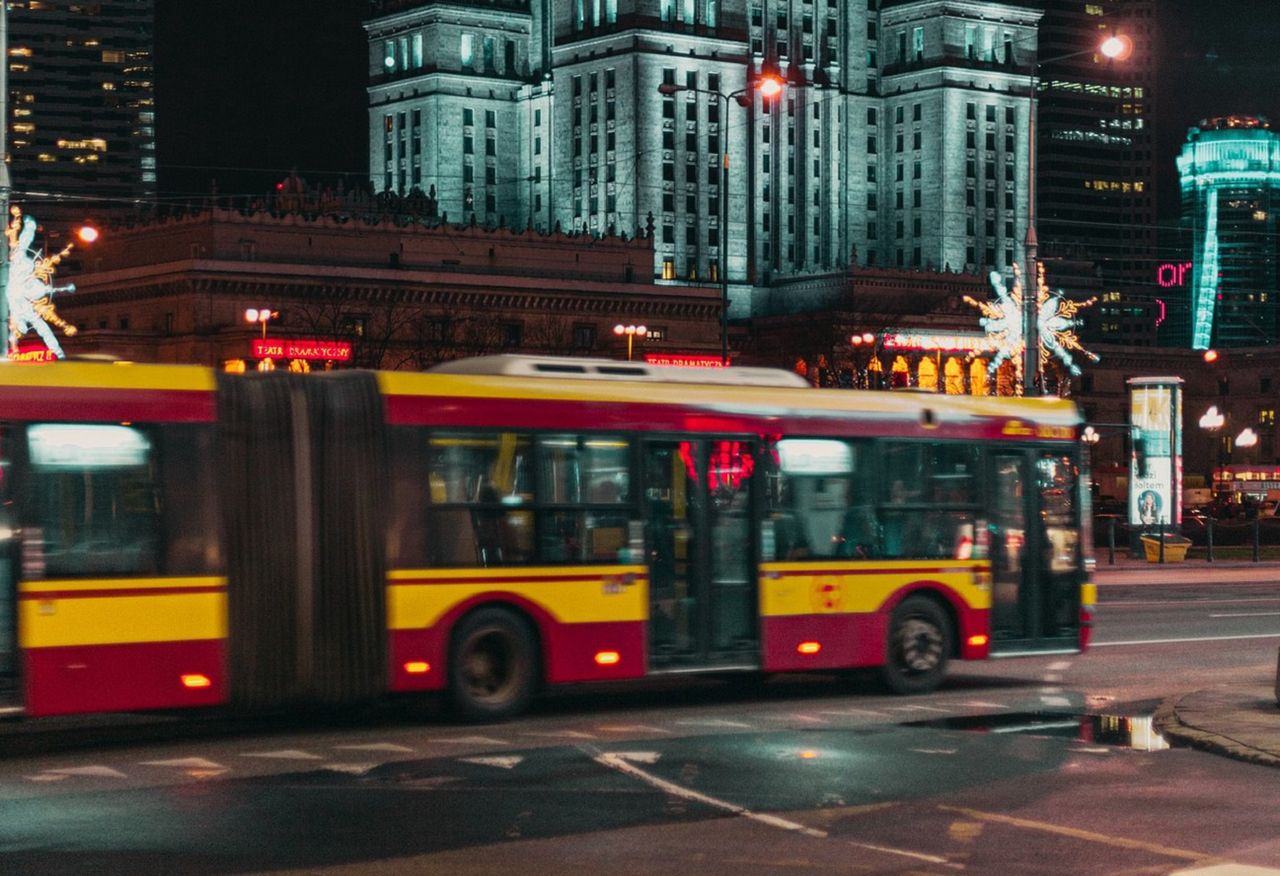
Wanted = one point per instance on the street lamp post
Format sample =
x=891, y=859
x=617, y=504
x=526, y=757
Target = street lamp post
x=1116, y=48
x=261, y=315
x=5, y=183
x=630, y=331
x=768, y=86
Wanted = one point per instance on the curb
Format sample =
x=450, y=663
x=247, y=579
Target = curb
x=1169, y=724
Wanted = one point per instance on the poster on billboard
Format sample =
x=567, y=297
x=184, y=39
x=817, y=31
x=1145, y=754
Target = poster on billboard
x=1155, y=467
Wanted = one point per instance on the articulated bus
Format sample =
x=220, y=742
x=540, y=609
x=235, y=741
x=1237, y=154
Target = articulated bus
x=174, y=537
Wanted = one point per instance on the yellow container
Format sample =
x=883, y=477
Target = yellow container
x=1175, y=548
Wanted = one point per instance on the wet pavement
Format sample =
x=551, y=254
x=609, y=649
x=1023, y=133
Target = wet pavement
x=1242, y=720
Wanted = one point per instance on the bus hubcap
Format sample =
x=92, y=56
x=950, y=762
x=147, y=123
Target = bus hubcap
x=921, y=645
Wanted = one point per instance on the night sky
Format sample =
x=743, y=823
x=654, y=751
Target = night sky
x=246, y=90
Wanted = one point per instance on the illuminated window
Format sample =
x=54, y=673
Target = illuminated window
x=468, y=50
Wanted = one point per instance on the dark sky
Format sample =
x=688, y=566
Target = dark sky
x=246, y=90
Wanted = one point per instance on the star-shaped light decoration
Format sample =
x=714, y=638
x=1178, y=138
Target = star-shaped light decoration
x=1056, y=322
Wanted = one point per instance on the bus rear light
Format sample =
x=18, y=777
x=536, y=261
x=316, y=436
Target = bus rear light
x=977, y=641
x=417, y=667
x=809, y=647
x=608, y=658
x=194, y=680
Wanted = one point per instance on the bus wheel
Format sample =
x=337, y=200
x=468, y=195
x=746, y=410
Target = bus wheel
x=919, y=642
x=492, y=667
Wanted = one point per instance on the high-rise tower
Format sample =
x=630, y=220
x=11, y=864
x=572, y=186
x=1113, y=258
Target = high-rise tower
x=1230, y=174
x=82, y=113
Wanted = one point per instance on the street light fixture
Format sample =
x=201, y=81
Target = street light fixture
x=1116, y=47
x=261, y=315
x=630, y=331
x=769, y=86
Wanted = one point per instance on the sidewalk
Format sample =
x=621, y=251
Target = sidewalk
x=1240, y=721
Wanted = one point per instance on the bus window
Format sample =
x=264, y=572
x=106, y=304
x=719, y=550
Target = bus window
x=1057, y=483
x=186, y=476
x=481, y=499
x=931, y=500
x=592, y=475
x=94, y=490
x=817, y=502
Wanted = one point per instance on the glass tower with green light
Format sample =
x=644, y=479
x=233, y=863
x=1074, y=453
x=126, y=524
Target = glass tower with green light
x=1230, y=174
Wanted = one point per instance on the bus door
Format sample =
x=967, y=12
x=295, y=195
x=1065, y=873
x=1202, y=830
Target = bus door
x=9, y=682
x=1034, y=548
x=698, y=507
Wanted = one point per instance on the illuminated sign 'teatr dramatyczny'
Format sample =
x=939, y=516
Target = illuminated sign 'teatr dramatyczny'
x=330, y=351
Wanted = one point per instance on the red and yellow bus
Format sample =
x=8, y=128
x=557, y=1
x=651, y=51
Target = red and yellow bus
x=173, y=537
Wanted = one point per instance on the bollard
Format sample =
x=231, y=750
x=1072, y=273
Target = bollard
x=1278, y=678
x=1111, y=541
x=1160, y=535
x=1209, y=525
x=1255, y=538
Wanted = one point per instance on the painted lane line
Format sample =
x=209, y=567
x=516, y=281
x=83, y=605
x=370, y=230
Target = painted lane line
x=504, y=762
x=377, y=746
x=287, y=754
x=1059, y=665
x=101, y=772
x=354, y=769
x=185, y=763
x=631, y=728
x=713, y=722
x=472, y=740
x=1186, y=602
x=1055, y=701
x=918, y=709
x=1231, y=869
x=1052, y=677
x=560, y=734
x=1249, y=614
x=1076, y=833
x=851, y=712
x=621, y=764
x=1181, y=641
x=934, y=750
x=983, y=704
x=639, y=756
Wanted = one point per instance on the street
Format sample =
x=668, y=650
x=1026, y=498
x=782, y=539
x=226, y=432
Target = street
x=1015, y=766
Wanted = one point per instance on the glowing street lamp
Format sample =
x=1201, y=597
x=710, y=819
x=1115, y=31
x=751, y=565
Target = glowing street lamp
x=261, y=315
x=630, y=331
x=87, y=234
x=769, y=86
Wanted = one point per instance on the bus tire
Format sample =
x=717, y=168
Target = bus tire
x=492, y=666
x=917, y=648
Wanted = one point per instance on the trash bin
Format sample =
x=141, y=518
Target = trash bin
x=1175, y=547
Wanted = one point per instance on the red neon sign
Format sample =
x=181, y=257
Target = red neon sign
x=271, y=348
x=1172, y=274
x=31, y=354
x=683, y=360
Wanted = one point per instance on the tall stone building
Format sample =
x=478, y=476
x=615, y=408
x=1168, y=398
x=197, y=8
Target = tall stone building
x=82, y=108
x=899, y=140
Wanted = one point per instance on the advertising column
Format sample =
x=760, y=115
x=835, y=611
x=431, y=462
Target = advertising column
x=1155, y=465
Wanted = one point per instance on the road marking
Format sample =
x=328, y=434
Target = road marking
x=1228, y=870
x=560, y=734
x=1055, y=701
x=614, y=762
x=934, y=750
x=852, y=712
x=918, y=709
x=631, y=728
x=1249, y=614
x=377, y=746
x=355, y=769
x=102, y=772
x=1184, y=602
x=472, y=740
x=983, y=704
x=1181, y=641
x=286, y=754
x=185, y=763
x=1059, y=665
x=637, y=756
x=1076, y=833
x=505, y=762
x=713, y=722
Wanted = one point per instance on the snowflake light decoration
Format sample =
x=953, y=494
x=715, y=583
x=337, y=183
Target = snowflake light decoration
x=1056, y=322
x=31, y=290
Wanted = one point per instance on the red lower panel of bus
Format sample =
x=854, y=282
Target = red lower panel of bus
x=822, y=641
x=571, y=652
x=113, y=678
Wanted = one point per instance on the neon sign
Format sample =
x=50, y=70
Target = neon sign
x=683, y=360
x=948, y=342
x=1172, y=274
x=333, y=351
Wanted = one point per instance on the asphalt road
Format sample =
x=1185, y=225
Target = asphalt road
x=1002, y=771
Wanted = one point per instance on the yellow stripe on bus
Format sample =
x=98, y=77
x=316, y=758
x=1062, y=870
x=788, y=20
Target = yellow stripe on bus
x=52, y=585
x=118, y=620
x=578, y=594
x=114, y=375
x=788, y=589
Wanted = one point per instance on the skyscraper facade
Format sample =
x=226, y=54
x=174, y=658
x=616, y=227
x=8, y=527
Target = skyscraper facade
x=82, y=108
x=1095, y=173
x=1229, y=169
x=899, y=139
